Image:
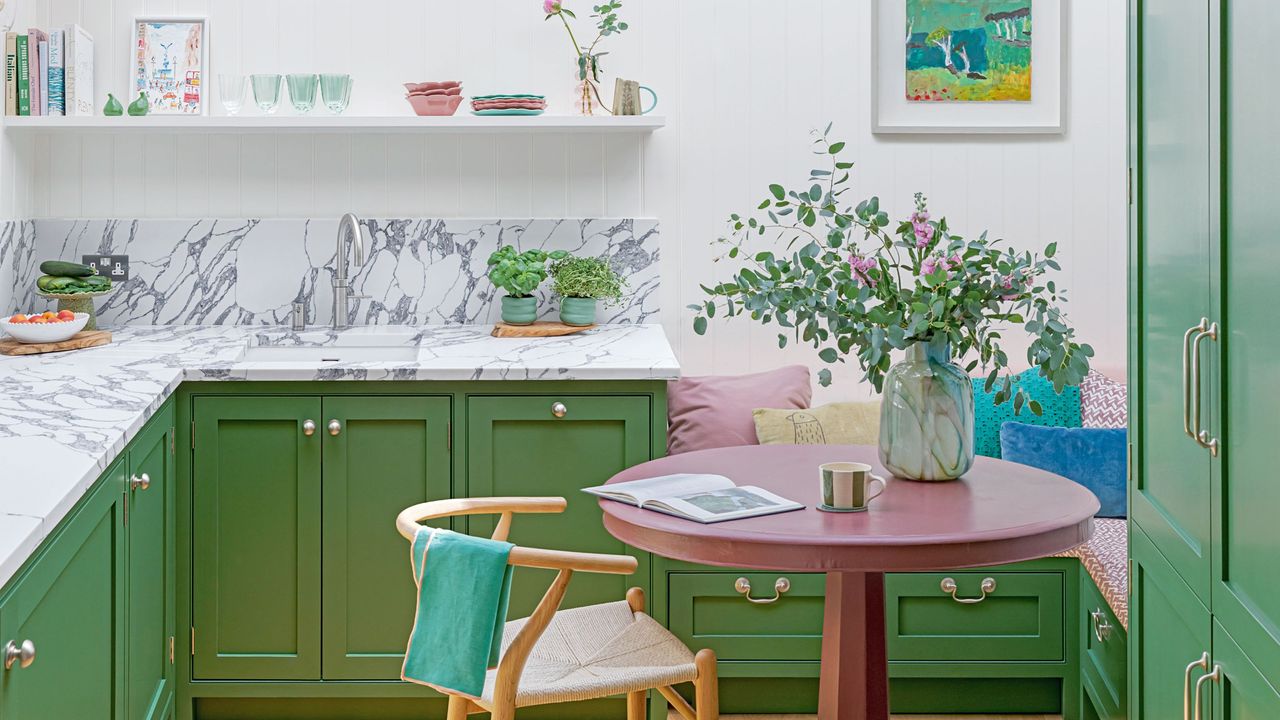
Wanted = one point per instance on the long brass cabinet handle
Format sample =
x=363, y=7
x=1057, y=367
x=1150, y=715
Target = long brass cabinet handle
x=21, y=654
x=780, y=587
x=1211, y=677
x=1203, y=664
x=1186, y=374
x=988, y=586
x=1200, y=435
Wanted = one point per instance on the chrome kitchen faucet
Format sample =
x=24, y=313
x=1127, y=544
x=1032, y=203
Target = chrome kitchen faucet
x=349, y=224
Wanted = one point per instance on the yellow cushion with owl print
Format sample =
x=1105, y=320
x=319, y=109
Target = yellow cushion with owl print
x=841, y=423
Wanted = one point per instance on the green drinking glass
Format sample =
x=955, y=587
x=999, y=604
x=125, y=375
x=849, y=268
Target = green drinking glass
x=336, y=90
x=302, y=91
x=266, y=92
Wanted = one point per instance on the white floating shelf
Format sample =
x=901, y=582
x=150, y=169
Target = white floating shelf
x=320, y=123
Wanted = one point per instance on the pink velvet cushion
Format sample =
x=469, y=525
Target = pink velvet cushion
x=714, y=411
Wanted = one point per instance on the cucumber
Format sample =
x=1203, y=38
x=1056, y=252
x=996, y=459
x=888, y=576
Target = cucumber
x=65, y=269
x=57, y=283
x=96, y=282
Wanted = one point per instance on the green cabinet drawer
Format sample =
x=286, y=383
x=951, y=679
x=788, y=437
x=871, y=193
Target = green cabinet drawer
x=1021, y=619
x=706, y=610
x=1105, y=661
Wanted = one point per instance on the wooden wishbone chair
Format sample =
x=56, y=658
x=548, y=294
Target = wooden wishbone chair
x=665, y=660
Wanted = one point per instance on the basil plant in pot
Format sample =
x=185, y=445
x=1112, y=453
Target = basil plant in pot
x=581, y=282
x=520, y=274
x=851, y=283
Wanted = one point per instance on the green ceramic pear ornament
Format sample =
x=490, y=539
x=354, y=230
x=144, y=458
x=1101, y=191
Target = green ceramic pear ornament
x=139, y=107
x=113, y=107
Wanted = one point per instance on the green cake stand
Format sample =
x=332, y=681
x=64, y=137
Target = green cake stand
x=79, y=302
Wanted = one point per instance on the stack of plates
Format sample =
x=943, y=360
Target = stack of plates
x=510, y=104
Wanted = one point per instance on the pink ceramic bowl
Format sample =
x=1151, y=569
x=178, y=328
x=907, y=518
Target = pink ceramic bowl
x=434, y=105
x=435, y=85
x=439, y=91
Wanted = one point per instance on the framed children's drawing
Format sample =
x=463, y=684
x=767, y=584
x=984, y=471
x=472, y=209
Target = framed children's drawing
x=170, y=63
x=959, y=66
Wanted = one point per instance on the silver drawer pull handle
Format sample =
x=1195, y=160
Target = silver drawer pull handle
x=1214, y=676
x=140, y=482
x=308, y=427
x=1186, y=374
x=559, y=410
x=23, y=654
x=1203, y=664
x=780, y=587
x=1101, y=626
x=988, y=586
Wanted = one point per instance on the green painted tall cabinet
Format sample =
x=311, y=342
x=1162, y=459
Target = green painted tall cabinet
x=1205, y=357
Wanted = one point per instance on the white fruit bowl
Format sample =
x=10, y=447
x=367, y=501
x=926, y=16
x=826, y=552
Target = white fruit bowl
x=45, y=332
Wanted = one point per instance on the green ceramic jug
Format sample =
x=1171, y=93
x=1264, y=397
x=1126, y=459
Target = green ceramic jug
x=113, y=108
x=140, y=107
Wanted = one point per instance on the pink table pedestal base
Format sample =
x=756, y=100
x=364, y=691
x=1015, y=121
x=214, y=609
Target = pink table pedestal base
x=854, y=683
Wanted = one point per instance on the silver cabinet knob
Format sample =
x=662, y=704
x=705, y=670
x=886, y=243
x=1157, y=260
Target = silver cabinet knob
x=1102, y=628
x=308, y=427
x=140, y=482
x=558, y=409
x=335, y=427
x=23, y=654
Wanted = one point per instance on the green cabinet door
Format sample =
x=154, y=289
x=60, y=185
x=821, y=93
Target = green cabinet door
x=1244, y=691
x=68, y=605
x=1246, y=591
x=150, y=608
x=389, y=453
x=1173, y=238
x=1168, y=630
x=543, y=445
x=256, y=538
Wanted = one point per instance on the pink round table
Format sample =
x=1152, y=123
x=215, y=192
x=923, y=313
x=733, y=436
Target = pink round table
x=999, y=512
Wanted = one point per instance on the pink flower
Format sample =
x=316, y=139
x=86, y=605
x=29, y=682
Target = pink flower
x=923, y=230
x=946, y=264
x=551, y=7
x=861, y=267
x=1007, y=282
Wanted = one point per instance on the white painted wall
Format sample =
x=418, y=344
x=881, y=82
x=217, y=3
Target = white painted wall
x=741, y=82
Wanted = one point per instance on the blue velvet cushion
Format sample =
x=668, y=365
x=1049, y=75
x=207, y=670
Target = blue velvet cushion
x=1093, y=457
x=1060, y=410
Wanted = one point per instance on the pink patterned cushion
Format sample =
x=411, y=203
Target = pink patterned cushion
x=1106, y=557
x=714, y=411
x=1103, y=402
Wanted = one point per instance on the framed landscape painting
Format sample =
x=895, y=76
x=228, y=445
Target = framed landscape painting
x=967, y=66
x=170, y=63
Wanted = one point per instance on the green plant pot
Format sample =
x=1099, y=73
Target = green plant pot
x=519, y=310
x=578, y=311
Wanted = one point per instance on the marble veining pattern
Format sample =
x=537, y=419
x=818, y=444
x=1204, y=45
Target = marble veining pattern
x=65, y=417
x=251, y=271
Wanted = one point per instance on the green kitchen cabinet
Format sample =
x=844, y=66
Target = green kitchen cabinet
x=1246, y=496
x=1240, y=690
x=388, y=453
x=519, y=445
x=1169, y=631
x=68, y=606
x=256, y=563
x=149, y=520
x=1172, y=282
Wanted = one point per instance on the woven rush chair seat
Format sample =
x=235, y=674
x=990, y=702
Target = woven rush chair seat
x=595, y=651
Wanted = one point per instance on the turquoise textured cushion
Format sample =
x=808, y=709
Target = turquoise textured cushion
x=1093, y=457
x=1059, y=410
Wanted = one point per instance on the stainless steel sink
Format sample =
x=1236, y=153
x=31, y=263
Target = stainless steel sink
x=336, y=354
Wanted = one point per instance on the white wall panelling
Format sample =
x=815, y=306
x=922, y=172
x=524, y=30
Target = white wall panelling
x=741, y=83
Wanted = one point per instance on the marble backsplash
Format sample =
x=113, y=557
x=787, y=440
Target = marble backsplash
x=250, y=272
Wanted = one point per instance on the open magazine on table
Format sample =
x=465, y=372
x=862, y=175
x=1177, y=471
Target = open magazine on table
x=696, y=496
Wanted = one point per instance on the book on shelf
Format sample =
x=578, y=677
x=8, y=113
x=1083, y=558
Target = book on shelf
x=24, y=84
x=35, y=36
x=78, y=68
x=11, y=73
x=44, y=77
x=57, y=95
x=695, y=496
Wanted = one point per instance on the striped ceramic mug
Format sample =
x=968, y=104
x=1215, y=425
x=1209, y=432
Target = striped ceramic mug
x=845, y=485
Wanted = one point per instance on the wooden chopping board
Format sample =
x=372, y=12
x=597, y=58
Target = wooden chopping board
x=79, y=341
x=541, y=328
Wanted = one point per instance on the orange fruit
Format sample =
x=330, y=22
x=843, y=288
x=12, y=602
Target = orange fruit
x=65, y=315
x=38, y=319
x=19, y=318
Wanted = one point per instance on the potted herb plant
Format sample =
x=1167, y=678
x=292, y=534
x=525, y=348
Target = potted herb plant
x=581, y=282
x=520, y=274
x=849, y=282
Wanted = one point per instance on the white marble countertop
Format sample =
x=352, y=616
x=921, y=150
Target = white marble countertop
x=65, y=417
